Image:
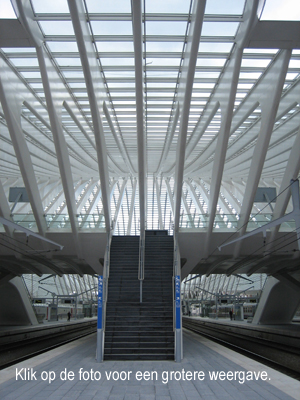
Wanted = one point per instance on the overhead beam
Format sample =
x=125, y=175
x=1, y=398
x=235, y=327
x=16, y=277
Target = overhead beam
x=136, y=7
x=157, y=190
x=132, y=205
x=275, y=35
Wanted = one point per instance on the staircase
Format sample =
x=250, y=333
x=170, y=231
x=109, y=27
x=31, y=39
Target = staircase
x=134, y=330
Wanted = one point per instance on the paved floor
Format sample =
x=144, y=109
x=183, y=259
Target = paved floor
x=56, y=376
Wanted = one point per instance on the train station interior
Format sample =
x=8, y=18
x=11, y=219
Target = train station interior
x=149, y=199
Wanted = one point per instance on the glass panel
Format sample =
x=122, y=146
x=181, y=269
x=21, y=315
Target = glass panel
x=7, y=11
x=28, y=62
x=111, y=6
x=63, y=47
x=232, y=7
x=168, y=6
x=219, y=28
x=57, y=28
x=287, y=10
x=215, y=47
x=112, y=27
x=50, y=6
x=164, y=47
x=255, y=63
x=75, y=62
x=165, y=27
x=114, y=47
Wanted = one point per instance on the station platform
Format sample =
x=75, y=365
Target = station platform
x=12, y=329
x=292, y=329
x=207, y=371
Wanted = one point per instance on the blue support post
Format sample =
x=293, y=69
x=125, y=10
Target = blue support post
x=100, y=335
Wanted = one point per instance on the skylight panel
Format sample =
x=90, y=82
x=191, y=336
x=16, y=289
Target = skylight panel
x=213, y=62
x=250, y=75
x=260, y=51
x=161, y=85
x=215, y=47
x=207, y=75
x=65, y=62
x=117, y=61
x=120, y=74
x=232, y=7
x=165, y=28
x=114, y=47
x=288, y=10
x=121, y=85
x=294, y=64
x=50, y=6
x=62, y=47
x=163, y=73
x=57, y=28
x=111, y=6
x=73, y=74
x=31, y=74
x=77, y=85
x=17, y=50
x=168, y=6
x=164, y=47
x=291, y=76
x=112, y=27
x=7, y=11
x=219, y=28
x=22, y=62
x=201, y=86
x=255, y=63
x=163, y=61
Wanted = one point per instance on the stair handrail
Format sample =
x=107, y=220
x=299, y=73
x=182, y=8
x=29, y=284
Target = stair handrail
x=141, y=270
x=106, y=268
x=177, y=325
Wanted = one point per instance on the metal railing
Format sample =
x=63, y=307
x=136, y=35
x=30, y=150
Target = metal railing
x=141, y=270
x=195, y=221
x=101, y=324
x=177, y=325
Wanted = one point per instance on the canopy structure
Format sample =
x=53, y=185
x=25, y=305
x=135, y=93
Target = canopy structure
x=121, y=116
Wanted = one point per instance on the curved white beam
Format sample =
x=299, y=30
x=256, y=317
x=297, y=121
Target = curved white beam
x=12, y=94
x=184, y=98
x=96, y=94
x=226, y=95
x=273, y=85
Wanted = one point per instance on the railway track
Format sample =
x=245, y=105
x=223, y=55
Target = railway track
x=22, y=344
x=281, y=352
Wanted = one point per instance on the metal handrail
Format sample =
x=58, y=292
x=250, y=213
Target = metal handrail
x=101, y=331
x=141, y=270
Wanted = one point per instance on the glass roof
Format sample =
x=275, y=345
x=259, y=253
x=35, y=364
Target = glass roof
x=166, y=31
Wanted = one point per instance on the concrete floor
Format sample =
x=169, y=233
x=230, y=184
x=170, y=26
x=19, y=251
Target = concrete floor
x=191, y=379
